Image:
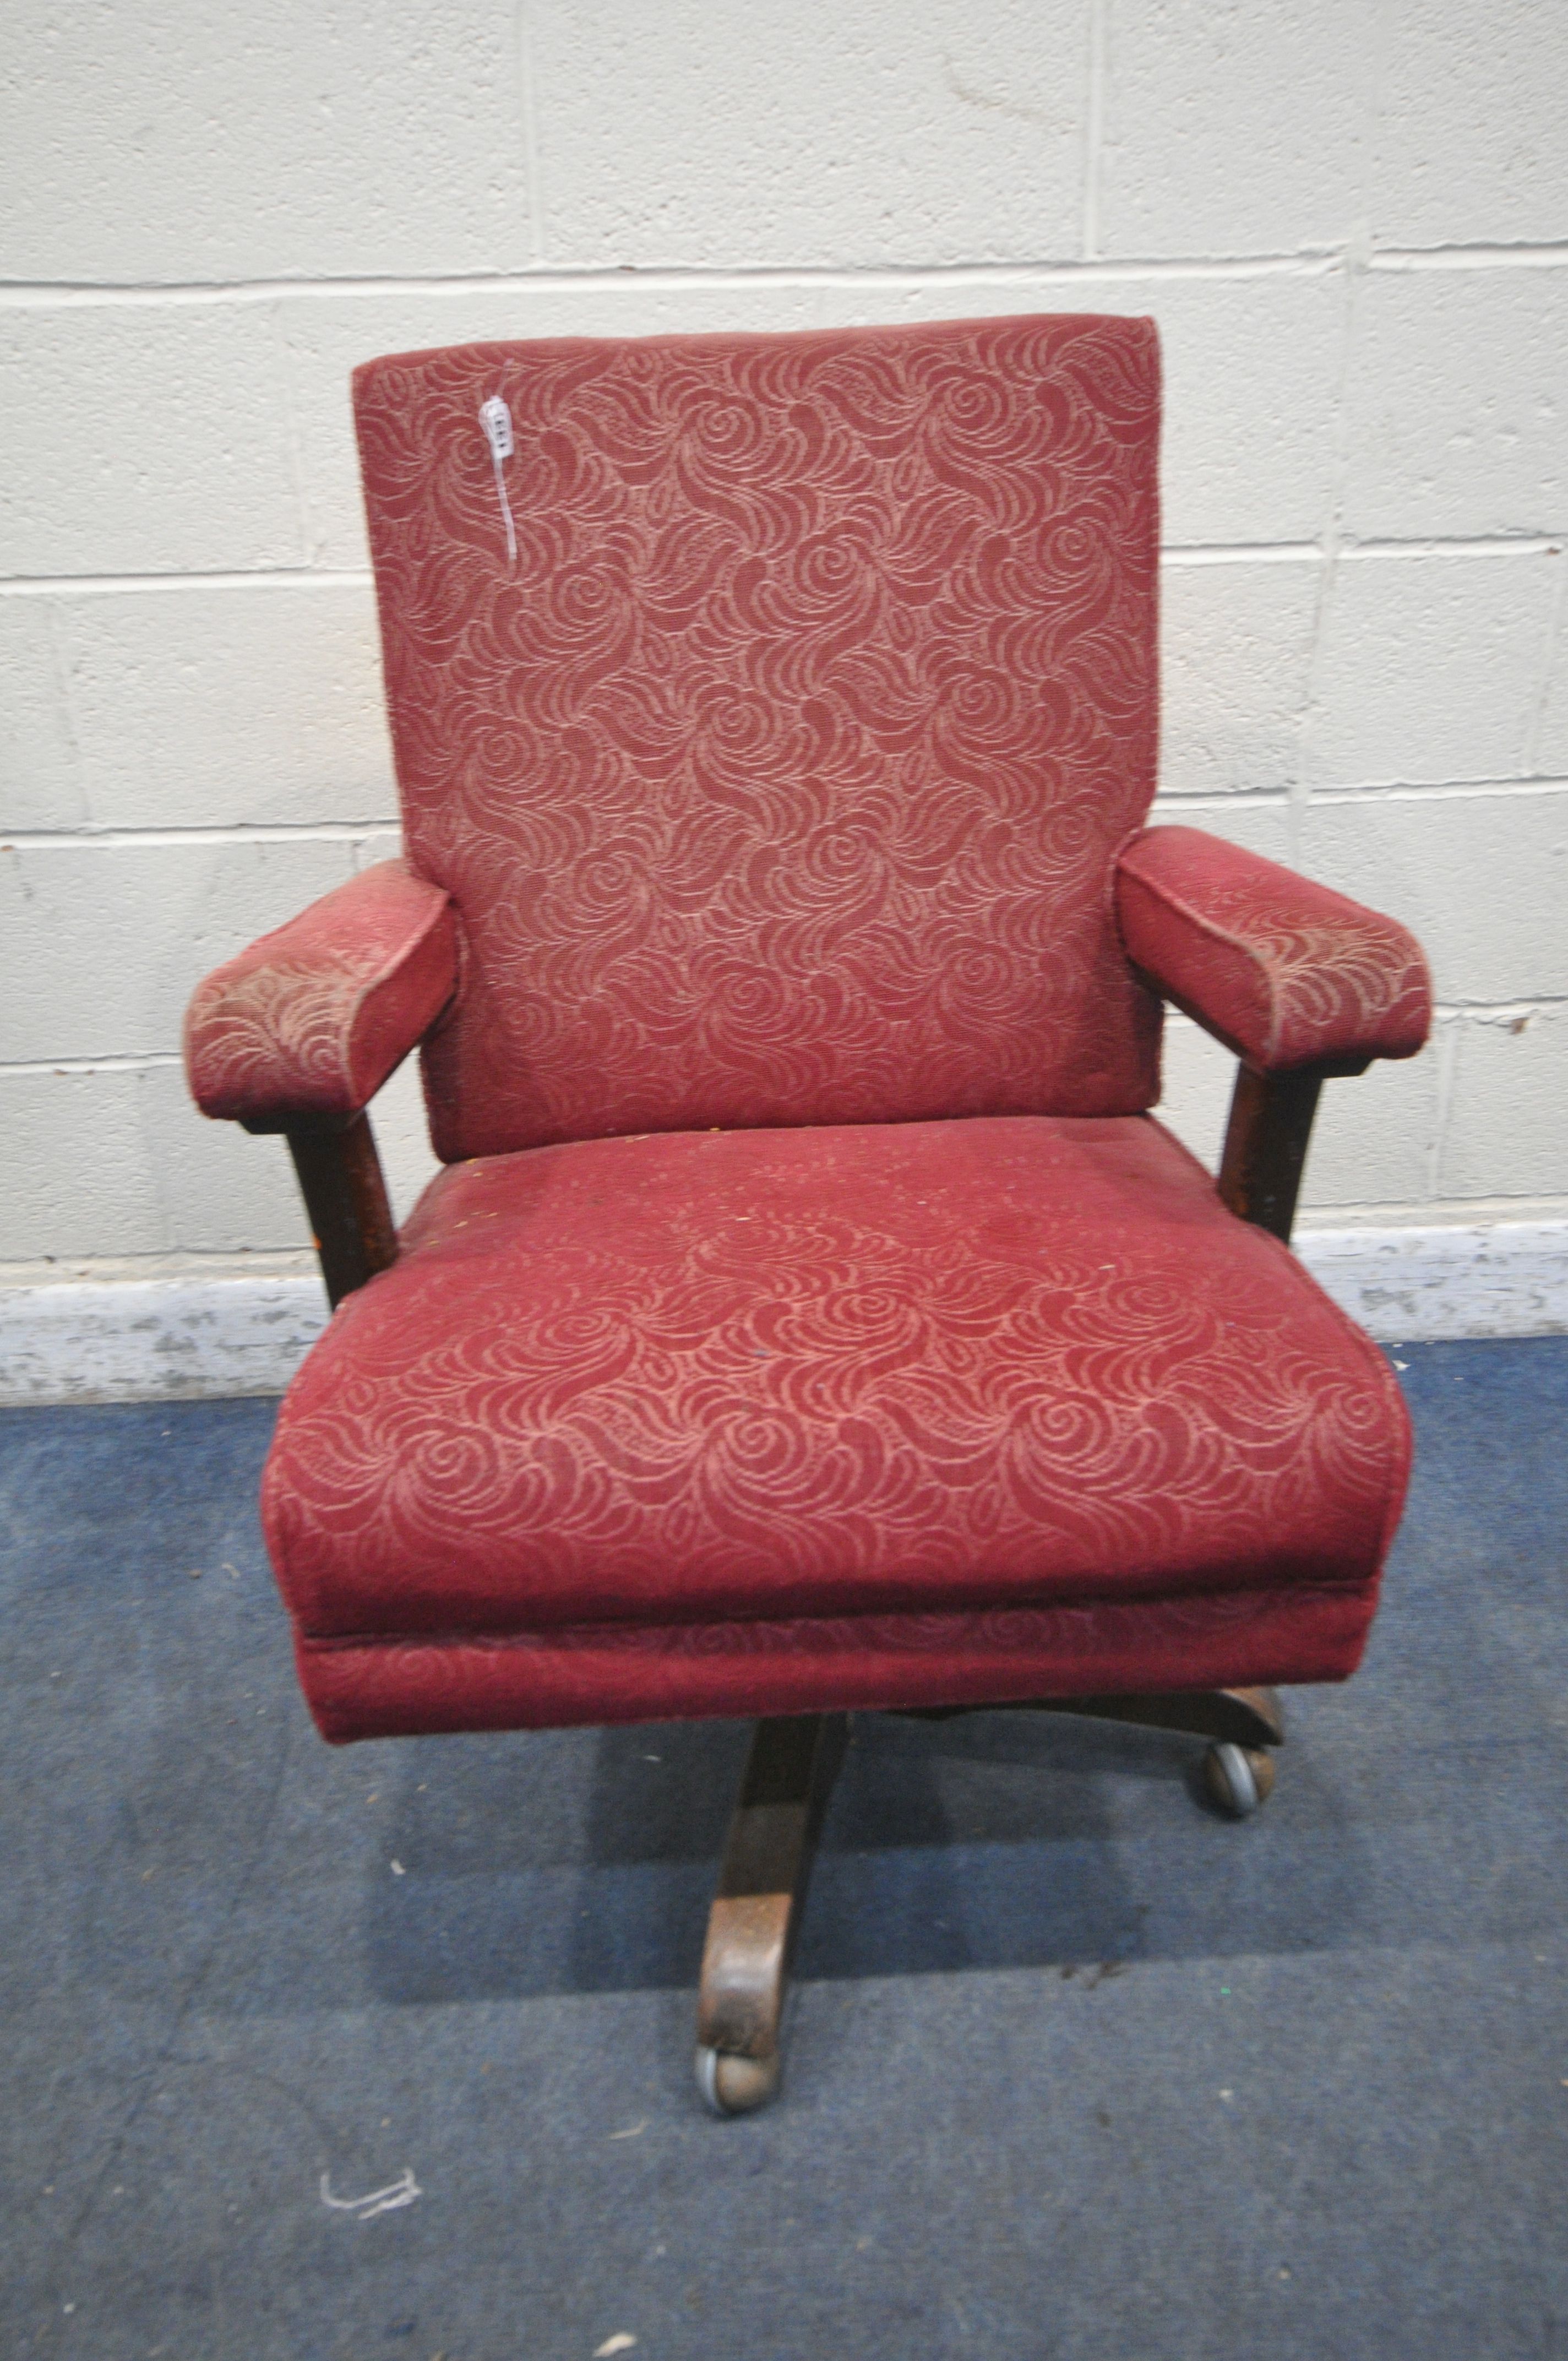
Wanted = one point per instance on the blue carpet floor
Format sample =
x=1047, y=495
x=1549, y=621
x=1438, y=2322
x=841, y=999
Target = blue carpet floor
x=1077, y=2071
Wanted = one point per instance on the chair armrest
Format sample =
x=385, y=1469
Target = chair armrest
x=1286, y=972
x=311, y=1020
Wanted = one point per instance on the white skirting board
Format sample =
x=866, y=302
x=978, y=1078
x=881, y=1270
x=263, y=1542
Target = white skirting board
x=155, y=1339
x=168, y=1339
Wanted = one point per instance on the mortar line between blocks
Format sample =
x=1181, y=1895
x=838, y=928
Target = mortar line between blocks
x=1450, y=1026
x=1094, y=126
x=1452, y=1015
x=1305, y=262
x=1175, y=553
x=65, y=695
x=533, y=167
x=1542, y=697
x=364, y=832
x=18, y=1070
x=110, y=586
x=25, y=295
x=152, y=837
x=284, y=362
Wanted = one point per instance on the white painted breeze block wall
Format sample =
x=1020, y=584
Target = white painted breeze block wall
x=1349, y=218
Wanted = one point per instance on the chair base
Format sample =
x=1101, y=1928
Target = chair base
x=756, y=1914
x=1231, y=1716
x=755, y=1920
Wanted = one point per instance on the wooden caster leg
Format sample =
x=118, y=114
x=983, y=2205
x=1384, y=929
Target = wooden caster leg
x=1241, y=1716
x=756, y=1914
x=1237, y=1717
x=1238, y=1770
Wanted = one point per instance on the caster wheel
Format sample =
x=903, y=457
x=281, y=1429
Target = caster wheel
x=1238, y=1778
x=733, y=2086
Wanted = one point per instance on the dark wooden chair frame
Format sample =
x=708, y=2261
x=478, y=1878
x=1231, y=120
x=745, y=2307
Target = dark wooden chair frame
x=793, y=1758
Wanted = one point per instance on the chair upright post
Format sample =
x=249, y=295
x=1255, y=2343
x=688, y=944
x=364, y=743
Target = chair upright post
x=345, y=1192
x=1266, y=1138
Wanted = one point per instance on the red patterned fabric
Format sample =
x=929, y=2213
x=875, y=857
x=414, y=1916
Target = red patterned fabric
x=1284, y=971
x=686, y=1671
x=312, y=1018
x=773, y=709
x=779, y=778
x=619, y=1398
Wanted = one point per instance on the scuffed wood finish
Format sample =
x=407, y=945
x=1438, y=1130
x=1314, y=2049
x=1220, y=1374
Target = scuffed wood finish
x=756, y=1914
x=341, y=1181
x=1267, y=1139
x=1241, y=1716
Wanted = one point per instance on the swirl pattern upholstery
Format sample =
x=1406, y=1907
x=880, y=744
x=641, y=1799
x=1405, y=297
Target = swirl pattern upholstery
x=748, y=1422
x=811, y=1315
x=779, y=778
x=312, y=1018
x=1286, y=972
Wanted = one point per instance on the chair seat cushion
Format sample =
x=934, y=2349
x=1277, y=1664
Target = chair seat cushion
x=715, y=1398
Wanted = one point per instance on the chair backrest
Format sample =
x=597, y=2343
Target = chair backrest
x=779, y=773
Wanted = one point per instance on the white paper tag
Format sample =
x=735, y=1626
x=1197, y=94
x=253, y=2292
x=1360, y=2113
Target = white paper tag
x=496, y=420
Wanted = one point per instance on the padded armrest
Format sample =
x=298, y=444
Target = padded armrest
x=1286, y=972
x=312, y=1019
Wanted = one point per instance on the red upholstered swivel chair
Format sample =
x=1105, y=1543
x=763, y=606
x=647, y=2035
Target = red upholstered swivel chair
x=811, y=1315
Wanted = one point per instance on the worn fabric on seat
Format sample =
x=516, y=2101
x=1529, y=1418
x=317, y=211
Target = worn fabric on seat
x=778, y=776
x=631, y=1421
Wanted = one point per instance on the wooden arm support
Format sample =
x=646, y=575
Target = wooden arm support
x=1266, y=1140
x=340, y=1180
